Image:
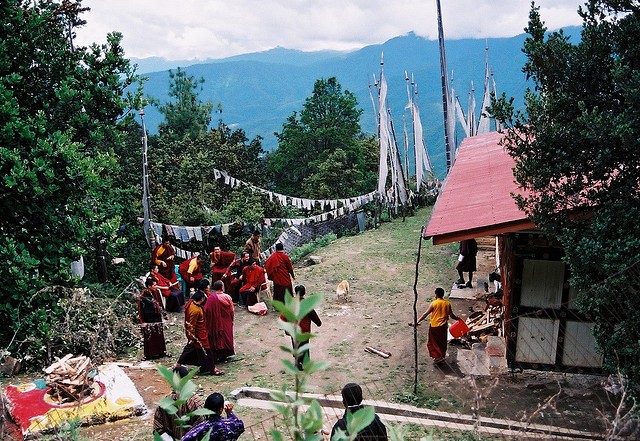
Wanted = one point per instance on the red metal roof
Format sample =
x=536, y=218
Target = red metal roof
x=475, y=199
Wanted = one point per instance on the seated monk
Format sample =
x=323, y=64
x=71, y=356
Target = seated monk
x=164, y=255
x=231, y=277
x=253, y=278
x=172, y=294
x=220, y=261
x=191, y=271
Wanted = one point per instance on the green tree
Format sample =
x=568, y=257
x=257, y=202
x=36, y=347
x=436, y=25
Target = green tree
x=60, y=117
x=322, y=152
x=577, y=155
x=184, y=114
x=181, y=162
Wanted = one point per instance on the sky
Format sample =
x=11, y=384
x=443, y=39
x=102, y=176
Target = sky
x=202, y=29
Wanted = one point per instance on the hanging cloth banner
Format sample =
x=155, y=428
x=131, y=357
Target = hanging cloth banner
x=284, y=199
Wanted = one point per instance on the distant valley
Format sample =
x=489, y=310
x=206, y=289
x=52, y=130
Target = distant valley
x=258, y=91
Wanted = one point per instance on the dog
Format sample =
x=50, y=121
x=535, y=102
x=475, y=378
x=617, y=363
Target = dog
x=342, y=291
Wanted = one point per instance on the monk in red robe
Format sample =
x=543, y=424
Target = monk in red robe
x=191, y=271
x=252, y=279
x=219, y=315
x=164, y=255
x=197, y=351
x=220, y=261
x=280, y=271
x=150, y=314
x=231, y=277
x=173, y=295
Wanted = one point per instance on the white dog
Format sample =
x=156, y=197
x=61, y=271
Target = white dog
x=342, y=291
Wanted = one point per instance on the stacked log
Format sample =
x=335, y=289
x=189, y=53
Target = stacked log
x=485, y=323
x=69, y=379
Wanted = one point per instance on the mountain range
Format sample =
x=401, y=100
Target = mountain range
x=258, y=91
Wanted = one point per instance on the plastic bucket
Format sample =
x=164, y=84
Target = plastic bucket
x=458, y=329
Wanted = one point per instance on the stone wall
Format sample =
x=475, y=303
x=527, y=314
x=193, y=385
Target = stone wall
x=298, y=235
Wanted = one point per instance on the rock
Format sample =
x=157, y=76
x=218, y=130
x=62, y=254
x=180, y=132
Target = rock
x=314, y=260
x=10, y=367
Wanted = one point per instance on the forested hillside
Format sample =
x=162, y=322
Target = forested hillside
x=258, y=91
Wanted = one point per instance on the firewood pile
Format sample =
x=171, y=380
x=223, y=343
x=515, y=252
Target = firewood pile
x=70, y=378
x=484, y=323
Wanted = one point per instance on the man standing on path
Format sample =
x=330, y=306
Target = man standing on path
x=280, y=271
x=197, y=352
x=219, y=315
x=253, y=244
x=440, y=310
x=467, y=261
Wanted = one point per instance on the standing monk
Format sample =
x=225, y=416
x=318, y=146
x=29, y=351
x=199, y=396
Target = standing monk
x=164, y=256
x=440, y=310
x=219, y=315
x=220, y=261
x=150, y=314
x=253, y=244
x=467, y=261
x=191, y=271
x=197, y=352
x=252, y=279
x=280, y=271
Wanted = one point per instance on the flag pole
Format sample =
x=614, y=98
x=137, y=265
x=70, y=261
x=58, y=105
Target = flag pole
x=448, y=136
x=148, y=232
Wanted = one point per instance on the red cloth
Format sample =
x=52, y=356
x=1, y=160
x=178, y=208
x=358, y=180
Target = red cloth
x=219, y=314
x=437, y=344
x=219, y=263
x=279, y=268
x=166, y=255
x=195, y=327
x=164, y=284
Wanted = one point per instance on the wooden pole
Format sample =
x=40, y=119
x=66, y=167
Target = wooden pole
x=415, y=316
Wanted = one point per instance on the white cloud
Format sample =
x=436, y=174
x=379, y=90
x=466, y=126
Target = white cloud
x=202, y=29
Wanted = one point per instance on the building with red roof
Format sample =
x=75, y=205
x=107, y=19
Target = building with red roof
x=541, y=323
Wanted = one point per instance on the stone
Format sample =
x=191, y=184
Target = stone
x=10, y=367
x=314, y=260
